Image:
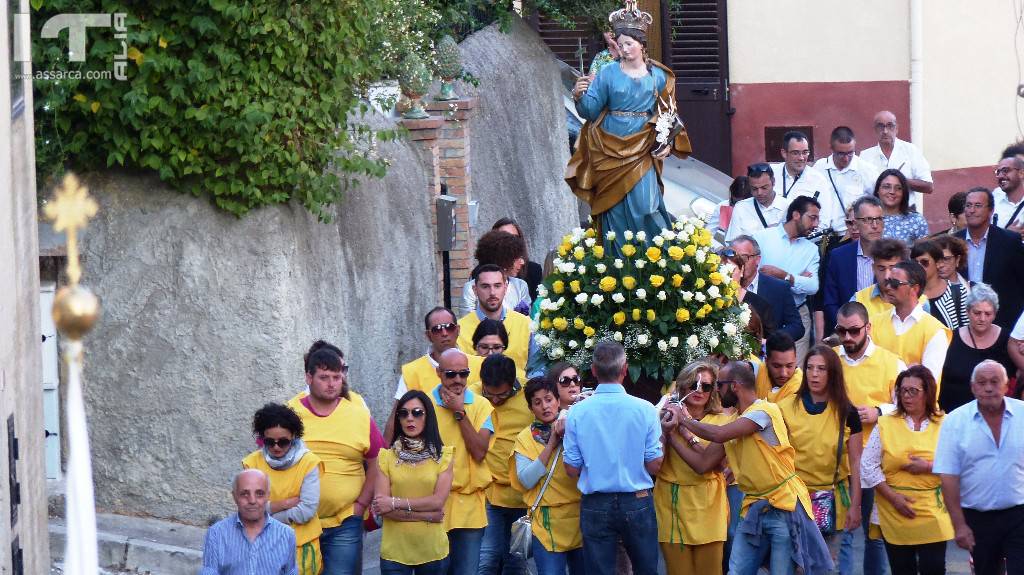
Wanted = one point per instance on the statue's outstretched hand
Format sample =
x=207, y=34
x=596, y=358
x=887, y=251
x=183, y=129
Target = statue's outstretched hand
x=582, y=83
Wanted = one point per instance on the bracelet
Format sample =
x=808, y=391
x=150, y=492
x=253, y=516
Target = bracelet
x=408, y=505
x=694, y=441
x=393, y=504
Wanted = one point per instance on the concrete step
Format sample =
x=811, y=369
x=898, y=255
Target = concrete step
x=139, y=545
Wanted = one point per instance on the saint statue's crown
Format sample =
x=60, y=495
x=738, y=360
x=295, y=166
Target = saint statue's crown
x=630, y=17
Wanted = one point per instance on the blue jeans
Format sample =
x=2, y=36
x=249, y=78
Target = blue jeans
x=606, y=518
x=464, y=550
x=875, y=561
x=552, y=563
x=439, y=567
x=748, y=553
x=735, y=497
x=494, y=556
x=342, y=547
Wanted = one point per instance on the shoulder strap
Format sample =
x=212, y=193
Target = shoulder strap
x=839, y=447
x=838, y=195
x=1016, y=213
x=760, y=216
x=547, y=480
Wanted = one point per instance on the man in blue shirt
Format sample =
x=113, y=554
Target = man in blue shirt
x=250, y=542
x=980, y=457
x=612, y=444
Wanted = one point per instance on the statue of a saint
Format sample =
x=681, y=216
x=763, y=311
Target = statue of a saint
x=631, y=128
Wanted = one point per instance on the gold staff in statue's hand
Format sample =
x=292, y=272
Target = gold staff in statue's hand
x=75, y=308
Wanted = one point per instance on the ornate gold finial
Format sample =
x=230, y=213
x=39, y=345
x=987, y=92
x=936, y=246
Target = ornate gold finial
x=630, y=19
x=75, y=308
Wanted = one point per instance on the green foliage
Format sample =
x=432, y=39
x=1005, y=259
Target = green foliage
x=460, y=18
x=250, y=103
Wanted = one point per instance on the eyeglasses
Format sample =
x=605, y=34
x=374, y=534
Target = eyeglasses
x=702, y=387
x=1005, y=171
x=871, y=221
x=850, y=222
x=910, y=391
x=283, y=443
x=436, y=329
x=500, y=396
x=925, y=262
x=495, y=348
x=569, y=380
x=849, y=154
x=416, y=412
x=948, y=258
x=344, y=368
x=754, y=170
x=453, y=373
x=853, y=330
x=893, y=283
x=798, y=153
x=889, y=126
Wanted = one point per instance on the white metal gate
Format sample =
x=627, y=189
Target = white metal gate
x=51, y=380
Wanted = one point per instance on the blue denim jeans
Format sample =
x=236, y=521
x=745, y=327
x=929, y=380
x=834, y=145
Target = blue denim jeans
x=439, y=567
x=551, y=563
x=342, y=547
x=875, y=561
x=748, y=553
x=606, y=518
x=735, y=497
x=494, y=556
x=464, y=551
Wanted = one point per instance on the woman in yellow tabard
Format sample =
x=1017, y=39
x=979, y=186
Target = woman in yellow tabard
x=411, y=490
x=813, y=417
x=294, y=473
x=557, y=539
x=897, y=461
x=692, y=508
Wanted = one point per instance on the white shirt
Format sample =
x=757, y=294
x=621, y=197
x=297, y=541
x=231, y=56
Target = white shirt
x=1004, y=209
x=905, y=158
x=1018, y=329
x=792, y=256
x=871, y=459
x=814, y=184
x=855, y=180
x=745, y=221
x=935, y=350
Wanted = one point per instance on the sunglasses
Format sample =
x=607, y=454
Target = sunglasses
x=754, y=170
x=852, y=330
x=283, y=443
x=724, y=382
x=417, y=412
x=453, y=373
x=436, y=329
x=568, y=380
x=893, y=283
x=702, y=387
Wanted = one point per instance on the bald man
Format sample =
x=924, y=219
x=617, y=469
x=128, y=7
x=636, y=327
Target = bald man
x=250, y=540
x=892, y=152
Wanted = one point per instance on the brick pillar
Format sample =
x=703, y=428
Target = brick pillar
x=425, y=132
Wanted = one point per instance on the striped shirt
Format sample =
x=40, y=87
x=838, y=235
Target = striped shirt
x=228, y=551
x=951, y=307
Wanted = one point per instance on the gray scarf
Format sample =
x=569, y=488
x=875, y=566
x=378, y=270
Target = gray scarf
x=290, y=458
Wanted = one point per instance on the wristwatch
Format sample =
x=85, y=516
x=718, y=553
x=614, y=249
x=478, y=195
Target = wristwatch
x=789, y=278
x=459, y=415
x=694, y=441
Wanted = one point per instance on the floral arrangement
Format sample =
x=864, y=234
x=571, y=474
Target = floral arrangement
x=669, y=299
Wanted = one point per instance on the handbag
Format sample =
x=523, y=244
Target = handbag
x=823, y=503
x=520, y=543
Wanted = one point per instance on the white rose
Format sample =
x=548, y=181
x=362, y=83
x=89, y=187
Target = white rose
x=713, y=342
x=713, y=291
x=668, y=235
x=729, y=329
x=559, y=303
x=589, y=343
x=639, y=264
x=567, y=267
x=628, y=234
x=589, y=242
x=617, y=263
x=641, y=293
x=662, y=295
x=642, y=339
x=581, y=270
x=544, y=303
x=577, y=235
x=556, y=353
x=542, y=340
x=683, y=237
x=617, y=336
x=557, y=262
x=658, y=241
x=597, y=299
x=573, y=344
x=727, y=269
x=701, y=256
x=641, y=236
x=688, y=228
x=744, y=314
x=662, y=345
x=692, y=341
x=601, y=268
x=673, y=341
x=610, y=236
x=701, y=297
x=618, y=298
x=581, y=298
x=687, y=269
x=687, y=296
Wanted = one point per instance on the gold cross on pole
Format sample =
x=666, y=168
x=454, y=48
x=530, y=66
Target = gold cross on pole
x=70, y=211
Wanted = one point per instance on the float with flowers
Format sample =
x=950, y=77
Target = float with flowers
x=669, y=299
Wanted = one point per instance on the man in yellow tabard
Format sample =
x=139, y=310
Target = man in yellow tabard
x=442, y=332
x=464, y=421
x=489, y=285
x=870, y=374
x=504, y=503
x=776, y=504
x=781, y=377
x=885, y=254
x=908, y=330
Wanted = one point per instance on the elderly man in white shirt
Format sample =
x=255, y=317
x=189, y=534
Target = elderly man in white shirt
x=892, y=152
x=794, y=177
x=764, y=209
x=849, y=176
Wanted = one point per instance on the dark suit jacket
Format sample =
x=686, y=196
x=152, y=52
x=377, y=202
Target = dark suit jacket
x=840, y=281
x=780, y=297
x=1003, y=270
x=763, y=309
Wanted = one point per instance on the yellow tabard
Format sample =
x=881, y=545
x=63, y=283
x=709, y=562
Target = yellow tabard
x=341, y=440
x=556, y=522
x=814, y=439
x=910, y=345
x=876, y=304
x=465, y=506
x=764, y=385
x=692, y=508
x=932, y=523
x=420, y=373
x=516, y=324
x=767, y=472
x=285, y=483
x=509, y=419
x=872, y=381
x=413, y=542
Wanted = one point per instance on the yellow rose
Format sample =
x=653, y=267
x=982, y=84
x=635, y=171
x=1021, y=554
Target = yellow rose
x=719, y=303
x=608, y=283
x=578, y=323
x=558, y=286
x=619, y=318
x=701, y=313
x=636, y=314
x=651, y=316
x=628, y=250
x=716, y=278
x=579, y=253
x=574, y=285
x=690, y=250
x=560, y=323
x=562, y=251
x=653, y=253
x=629, y=282
x=676, y=253
x=682, y=315
x=677, y=280
x=589, y=331
x=545, y=323
x=700, y=283
x=598, y=251
x=713, y=260
x=657, y=280
x=590, y=233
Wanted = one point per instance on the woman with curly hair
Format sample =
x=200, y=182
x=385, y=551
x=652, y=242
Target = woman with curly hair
x=532, y=272
x=508, y=252
x=294, y=473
